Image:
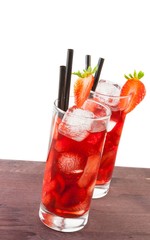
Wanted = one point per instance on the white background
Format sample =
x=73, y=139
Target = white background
x=34, y=38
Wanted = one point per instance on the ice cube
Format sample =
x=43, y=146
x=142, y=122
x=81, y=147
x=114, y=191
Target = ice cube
x=76, y=124
x=93, y=105
x=108, y=88
x=99, y=111
x=99, y=126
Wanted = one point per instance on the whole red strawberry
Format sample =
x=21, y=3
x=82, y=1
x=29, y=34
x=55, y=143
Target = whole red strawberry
x=135, y=88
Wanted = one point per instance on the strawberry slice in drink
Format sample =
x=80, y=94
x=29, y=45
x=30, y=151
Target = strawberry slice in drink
x=70, y=163
x=90, y=170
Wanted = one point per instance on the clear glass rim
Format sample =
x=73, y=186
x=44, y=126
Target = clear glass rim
x=112, y=96
x=107, y=110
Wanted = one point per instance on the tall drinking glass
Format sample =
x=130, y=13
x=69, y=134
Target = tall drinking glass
x=109, y=93
x=76, y=143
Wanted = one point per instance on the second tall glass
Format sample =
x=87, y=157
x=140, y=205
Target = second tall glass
x=108, y=93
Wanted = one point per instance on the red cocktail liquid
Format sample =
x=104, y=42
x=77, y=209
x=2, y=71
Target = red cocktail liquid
x=70, y=173
x=111, y=147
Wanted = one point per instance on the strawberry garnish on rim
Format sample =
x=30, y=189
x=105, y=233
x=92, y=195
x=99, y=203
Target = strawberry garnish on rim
x=83, y=85
x=135, y=88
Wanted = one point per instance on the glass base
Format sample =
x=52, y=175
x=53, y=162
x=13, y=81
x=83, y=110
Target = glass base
x=62, y=224
x=101, y=190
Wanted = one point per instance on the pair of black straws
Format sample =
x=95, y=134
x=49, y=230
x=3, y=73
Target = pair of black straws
x=65, y=78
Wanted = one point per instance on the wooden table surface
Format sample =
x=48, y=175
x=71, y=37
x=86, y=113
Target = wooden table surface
x=123, y=214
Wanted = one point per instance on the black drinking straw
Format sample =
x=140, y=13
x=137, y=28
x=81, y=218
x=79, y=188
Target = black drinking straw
x=98, y=72
x=68, y=78
x=87, y=61
x=62, y=72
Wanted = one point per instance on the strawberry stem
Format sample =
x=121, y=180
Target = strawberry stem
x=86, y=72
x=135, y=75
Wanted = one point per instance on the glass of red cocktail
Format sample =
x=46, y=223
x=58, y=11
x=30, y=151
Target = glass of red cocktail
x=109, y=93
x=121, y=101
x=76, y=144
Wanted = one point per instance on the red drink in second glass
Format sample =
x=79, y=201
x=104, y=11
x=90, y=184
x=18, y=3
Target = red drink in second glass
x=110, y=148
x=117, y=105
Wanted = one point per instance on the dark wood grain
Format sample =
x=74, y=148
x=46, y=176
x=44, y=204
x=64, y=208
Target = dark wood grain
x=121, y=215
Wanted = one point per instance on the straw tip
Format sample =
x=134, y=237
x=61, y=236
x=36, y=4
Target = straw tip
x=70, y=50
x=101, y=59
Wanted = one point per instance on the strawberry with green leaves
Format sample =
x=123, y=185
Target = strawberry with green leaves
x=135, y=88
x=83, y=85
